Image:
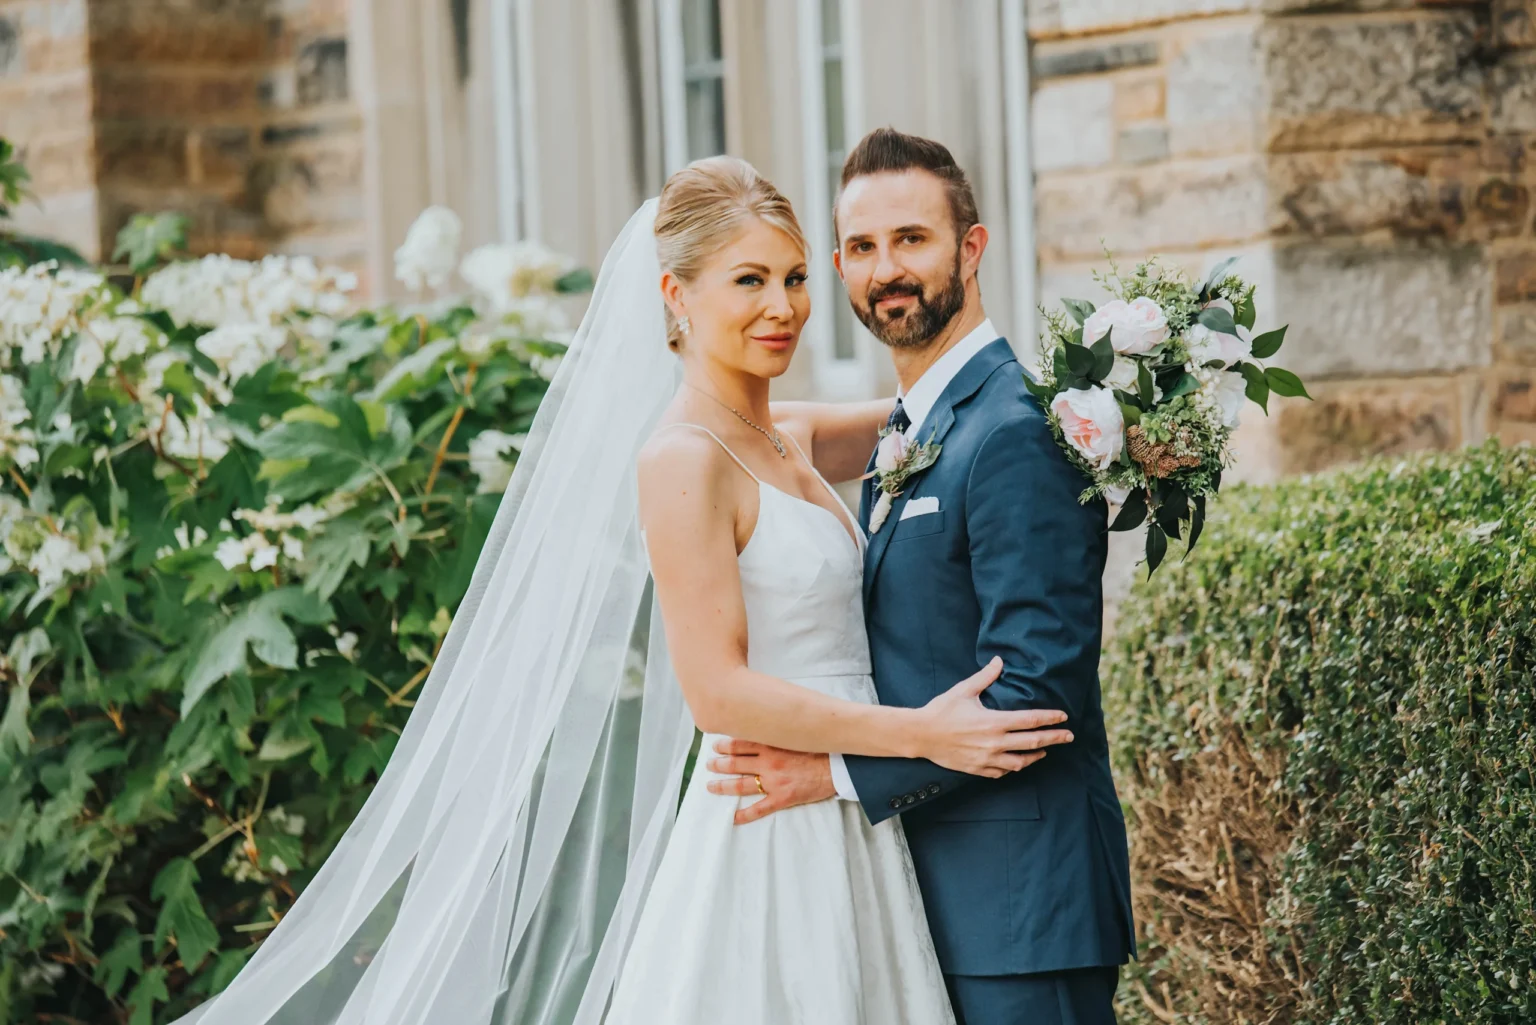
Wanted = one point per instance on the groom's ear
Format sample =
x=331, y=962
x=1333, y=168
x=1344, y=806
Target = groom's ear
x=837, y=261
x=973, y=245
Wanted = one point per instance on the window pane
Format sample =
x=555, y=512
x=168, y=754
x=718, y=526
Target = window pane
x=833, y=85
x=701, y=31
x=831, y=22
x=706, y=118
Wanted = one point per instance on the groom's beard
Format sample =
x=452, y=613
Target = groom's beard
x=912, y=328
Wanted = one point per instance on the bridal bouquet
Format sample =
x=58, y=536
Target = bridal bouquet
x=1145, y=392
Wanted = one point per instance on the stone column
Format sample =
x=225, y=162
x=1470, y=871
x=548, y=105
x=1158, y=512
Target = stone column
x=45, y=108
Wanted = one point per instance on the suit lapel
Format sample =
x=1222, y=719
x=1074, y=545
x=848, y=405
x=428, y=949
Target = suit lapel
x=964, y=385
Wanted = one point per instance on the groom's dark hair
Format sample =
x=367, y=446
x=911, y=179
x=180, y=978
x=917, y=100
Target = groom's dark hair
x=887, y=151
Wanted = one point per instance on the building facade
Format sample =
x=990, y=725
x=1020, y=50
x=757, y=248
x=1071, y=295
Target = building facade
x=1372, y=161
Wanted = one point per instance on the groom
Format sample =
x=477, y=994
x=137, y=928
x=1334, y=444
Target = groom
x=986, y=553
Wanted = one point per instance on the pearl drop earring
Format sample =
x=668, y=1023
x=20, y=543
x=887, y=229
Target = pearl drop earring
x=684, y=325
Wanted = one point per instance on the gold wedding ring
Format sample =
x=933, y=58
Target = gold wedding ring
x=760, y=786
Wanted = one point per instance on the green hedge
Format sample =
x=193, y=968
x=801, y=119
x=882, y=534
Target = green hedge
x=1325, y=737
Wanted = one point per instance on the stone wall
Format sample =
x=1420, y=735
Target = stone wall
x=1372, y=161
x=236, y=112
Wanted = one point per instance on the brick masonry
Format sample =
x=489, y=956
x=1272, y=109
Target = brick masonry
x=1373, y=160
x=236, y=112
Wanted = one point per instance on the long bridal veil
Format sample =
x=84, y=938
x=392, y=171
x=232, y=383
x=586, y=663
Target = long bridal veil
x=496, y=872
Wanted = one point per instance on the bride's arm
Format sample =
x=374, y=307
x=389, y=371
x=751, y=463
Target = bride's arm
x=838, y=436
x=690, y=499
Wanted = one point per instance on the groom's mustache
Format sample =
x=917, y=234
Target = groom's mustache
x=894, y=290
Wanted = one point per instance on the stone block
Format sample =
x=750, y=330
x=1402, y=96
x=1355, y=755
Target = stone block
x=1142, y=144
x=30, y=109
x=219, y=156
x=1514, y=22
x=1216, y=93
x=1514, y=396
x=147, y=33
x=1350, y=421
x=1051, y=18
x=322, y=72
x=1071, y=124
x=59, y=163
x=1516, y=277
x=1362, y=311
x=52, y=35
x=142, y=154
x=1339, y=82
x=1512, y=94
x=1054, y=60
x=70, y=218
x=1141, y=99
x=308, y=188
x=1176, y=206
x=1355, y=192
x=10, y=46
x=1515, y=331
x=126, y=93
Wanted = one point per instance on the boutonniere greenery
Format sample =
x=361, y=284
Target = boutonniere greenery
x=897, y=459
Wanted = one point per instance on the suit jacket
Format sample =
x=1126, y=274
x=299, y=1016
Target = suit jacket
x=1029, y=873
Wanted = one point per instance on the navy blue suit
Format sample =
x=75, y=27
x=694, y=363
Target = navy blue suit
x=1026, y=879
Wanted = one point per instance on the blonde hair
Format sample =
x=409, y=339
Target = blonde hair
x=702, y=209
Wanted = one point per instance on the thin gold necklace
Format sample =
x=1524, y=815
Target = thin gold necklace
x=772, y=436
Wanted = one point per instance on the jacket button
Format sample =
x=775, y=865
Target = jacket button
x=895, y=803
x=933, y=790
x=909, y=799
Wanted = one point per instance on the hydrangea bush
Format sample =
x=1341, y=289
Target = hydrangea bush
x=236, y=516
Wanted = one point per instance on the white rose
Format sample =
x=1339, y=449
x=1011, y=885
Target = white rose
x=1092, y=422
x=1228, y=392
x=1137, y=327
x=1207, y=346
x=1123, y=375
x=431, y=249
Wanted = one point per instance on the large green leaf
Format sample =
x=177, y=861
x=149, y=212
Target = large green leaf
x=181, y=914
x=148, y=239
x=1268, y=343
x=149, y=991
x=260, y=626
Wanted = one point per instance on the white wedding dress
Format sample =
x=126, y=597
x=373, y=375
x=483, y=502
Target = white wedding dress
x=810, y=915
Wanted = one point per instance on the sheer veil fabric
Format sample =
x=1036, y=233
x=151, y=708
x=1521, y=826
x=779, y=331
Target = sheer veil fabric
x=496, y=872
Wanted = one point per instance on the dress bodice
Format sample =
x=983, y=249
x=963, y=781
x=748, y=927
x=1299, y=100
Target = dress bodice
x=802, y=581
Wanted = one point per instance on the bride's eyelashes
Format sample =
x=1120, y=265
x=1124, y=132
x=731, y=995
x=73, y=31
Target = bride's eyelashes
x=795, y=280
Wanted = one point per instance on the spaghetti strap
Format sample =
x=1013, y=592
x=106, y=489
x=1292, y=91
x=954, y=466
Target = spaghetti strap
x=698, y=427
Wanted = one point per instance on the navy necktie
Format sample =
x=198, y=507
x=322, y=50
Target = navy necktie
x=898, y=418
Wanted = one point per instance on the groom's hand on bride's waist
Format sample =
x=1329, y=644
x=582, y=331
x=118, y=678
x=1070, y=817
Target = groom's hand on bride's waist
x=788, y=778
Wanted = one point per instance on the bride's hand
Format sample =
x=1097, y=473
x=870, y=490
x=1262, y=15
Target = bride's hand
x=960, y=733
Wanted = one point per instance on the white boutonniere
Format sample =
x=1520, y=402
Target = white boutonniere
x=896, y=459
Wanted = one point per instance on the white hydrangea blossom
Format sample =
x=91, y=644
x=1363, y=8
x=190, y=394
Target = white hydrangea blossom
x=271, y=537
x=203, y=437
x=1221, y=396
x=241, y=349
x=504, y=274
x=184, y=539
x=431, y=248
x=346, y=645
x=41, y=305
x=219, y=290
x=486, y=462
x=59, y=558
x=18, y=443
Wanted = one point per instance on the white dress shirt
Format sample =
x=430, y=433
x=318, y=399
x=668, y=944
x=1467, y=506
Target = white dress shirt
x=918, y=402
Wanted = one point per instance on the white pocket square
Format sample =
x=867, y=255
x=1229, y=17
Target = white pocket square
x=920, y=507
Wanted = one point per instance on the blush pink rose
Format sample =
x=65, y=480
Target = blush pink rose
x=1092, y=422
x=1138, y=326
x=890, y=452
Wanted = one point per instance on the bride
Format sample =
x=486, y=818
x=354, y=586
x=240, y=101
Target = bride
x=518, y=861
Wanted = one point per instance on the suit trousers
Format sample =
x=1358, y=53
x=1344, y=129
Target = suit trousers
x=1082, y=996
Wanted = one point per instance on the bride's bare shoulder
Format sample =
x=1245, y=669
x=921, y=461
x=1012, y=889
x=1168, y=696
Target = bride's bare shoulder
x=679, y=459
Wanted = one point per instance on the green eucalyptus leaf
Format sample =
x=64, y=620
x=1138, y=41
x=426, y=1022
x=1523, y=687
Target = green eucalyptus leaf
x=1283, y=382
x=1079, y=309
x=1268, y=343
